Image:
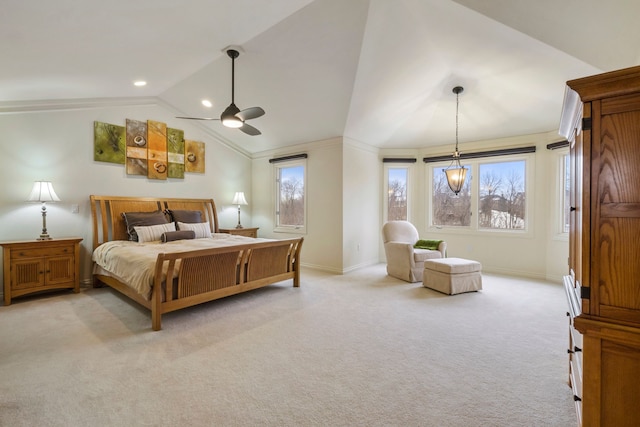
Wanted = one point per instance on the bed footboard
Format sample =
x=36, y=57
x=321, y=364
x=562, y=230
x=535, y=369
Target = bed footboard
x=209, y=274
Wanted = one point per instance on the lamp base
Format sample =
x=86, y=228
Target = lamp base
x=45, y=234
x=239, y=225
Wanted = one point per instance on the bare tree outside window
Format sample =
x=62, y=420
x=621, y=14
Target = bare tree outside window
x=502, y=202
x=291, y=196
x=447, y=208
x=397, y=194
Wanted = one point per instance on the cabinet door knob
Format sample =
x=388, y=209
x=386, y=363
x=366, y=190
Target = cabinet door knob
x=576, y=348
x=572, y=208
x=576, y=398
x=569, y=351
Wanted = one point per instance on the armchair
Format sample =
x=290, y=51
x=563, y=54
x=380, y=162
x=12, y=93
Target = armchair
x=403, y=260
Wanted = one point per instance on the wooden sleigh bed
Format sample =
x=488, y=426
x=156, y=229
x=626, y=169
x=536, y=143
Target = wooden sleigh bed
x=199, y=275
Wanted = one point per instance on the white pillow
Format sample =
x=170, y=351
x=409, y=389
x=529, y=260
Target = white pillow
x=202, y=229
x=153, y=232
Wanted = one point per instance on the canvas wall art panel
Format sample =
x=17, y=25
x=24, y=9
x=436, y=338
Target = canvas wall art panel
x=157, y=150
x=175, y=153
x=108, y=143
x=194, y=156
x=136, y=147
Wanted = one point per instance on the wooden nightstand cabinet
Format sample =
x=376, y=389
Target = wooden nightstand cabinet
x=249, y=232
x=40, y=265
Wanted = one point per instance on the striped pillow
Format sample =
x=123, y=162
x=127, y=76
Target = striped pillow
x=153, y=233
x=202, y=229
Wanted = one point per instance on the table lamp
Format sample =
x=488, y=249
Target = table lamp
x=239, y=199
x=43, y=192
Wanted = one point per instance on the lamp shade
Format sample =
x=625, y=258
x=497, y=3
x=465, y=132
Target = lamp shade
x=239, y=199
x=42, y=191
x=456, y=177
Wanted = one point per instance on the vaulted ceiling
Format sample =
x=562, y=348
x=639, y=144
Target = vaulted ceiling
x=379, y=72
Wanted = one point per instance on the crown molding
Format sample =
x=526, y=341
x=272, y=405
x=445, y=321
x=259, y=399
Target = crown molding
x=40, y=105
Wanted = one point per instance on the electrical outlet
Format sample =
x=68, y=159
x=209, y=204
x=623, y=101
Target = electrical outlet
x=75, y=208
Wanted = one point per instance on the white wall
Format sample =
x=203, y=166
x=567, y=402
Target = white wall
x=539, y=254
x=361, y=200
x=55, y=143
x=322, y=247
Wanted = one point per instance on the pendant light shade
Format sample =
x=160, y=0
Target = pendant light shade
x=456, y=173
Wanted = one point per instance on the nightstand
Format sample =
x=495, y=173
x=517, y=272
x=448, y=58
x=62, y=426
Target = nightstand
x=249, y=232
x=40, y=265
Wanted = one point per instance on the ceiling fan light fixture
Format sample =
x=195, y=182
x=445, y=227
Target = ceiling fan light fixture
x=232, y=122
x=229, y=118
x=456, y=173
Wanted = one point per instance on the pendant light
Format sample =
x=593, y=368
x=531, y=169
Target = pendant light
x=456, y=173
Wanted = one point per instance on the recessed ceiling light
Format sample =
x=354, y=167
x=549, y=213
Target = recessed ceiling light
x=207, y=103
x=140, y=83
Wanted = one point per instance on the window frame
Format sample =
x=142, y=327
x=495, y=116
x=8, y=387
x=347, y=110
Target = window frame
x=387, y=167
x=474, y=173
x=293, y=229
x=439, y=168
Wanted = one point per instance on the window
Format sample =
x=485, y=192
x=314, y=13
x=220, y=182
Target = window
x=448, y=209
x=397, y=201
x=290, y=196
x=502, y=196
x=495, y=189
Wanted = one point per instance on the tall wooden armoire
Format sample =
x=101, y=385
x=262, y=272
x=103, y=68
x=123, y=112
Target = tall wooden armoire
x=601, y=120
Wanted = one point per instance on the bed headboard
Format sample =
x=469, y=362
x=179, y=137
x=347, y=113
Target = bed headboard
x=108, y=224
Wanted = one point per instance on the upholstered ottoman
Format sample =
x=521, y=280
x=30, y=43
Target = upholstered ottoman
x=452, y=275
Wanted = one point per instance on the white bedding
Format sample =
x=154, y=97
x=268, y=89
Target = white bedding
x=133, y=263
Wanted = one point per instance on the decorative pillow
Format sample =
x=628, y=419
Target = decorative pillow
x=201, y=229
x=171, y=236
x=153, y=233
x=185, y=216
x=428, y=244
x=143, y=219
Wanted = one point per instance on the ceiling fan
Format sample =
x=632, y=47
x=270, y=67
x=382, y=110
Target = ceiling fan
x=232, y=116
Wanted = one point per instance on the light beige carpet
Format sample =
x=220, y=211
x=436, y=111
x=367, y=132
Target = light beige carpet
x=361, y=349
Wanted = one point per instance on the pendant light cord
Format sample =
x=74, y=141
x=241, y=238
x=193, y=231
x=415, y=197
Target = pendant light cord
x=457, y=90
x=457, y=104
x=233, y=78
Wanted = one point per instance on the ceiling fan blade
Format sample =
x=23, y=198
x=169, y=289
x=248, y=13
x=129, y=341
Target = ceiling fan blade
x=249, y=130
x=250, y=113
x=197, y=118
